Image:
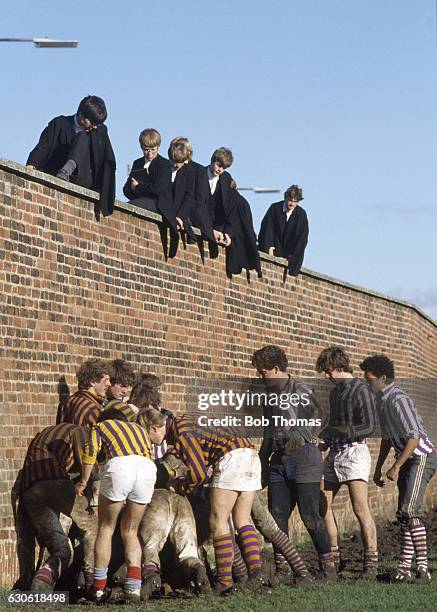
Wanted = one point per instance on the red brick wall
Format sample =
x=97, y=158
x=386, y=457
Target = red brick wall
x=73, y=288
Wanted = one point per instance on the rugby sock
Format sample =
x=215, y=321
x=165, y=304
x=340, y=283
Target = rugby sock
x=285, y=552
x=238, y=566
x=418, y=535
x=370, y=559
x=281, y=562
x=100, y=578
x=132, y=584
x=45, y=574
x=223, y=549
x=250, y=548
x=89, y=579
x=336, y=554
x=407, y=549
x=327, y=566
x=150, y=568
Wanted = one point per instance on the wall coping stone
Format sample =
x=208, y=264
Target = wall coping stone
x=88, y=194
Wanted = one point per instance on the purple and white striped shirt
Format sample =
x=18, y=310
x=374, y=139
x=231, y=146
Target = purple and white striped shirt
x=352, y=412
x=400, y=420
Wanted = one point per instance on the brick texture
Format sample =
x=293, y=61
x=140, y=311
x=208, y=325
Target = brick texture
x=72, y=288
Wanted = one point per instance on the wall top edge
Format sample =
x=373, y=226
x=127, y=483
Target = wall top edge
x=60, y=185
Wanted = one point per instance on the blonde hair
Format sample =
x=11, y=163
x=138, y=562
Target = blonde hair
x=150, y=138
x=151, y=417
x=180, y=149
x=222, y=156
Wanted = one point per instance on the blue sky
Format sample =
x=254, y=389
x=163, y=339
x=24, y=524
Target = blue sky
x=338, y=96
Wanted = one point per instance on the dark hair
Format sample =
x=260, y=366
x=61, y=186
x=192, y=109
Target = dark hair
x=112, y=414
x=333, y=358
x=121, y=373
x=294, y=192
x=268, y=357
x=91, y=371
x=379, y=365
x=93, y=108
x=151, y=379
x=145, y=392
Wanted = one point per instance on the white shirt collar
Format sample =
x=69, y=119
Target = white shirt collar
x=213, y=180
x=288, y=212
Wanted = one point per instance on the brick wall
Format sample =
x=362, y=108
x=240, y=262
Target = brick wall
x=72, y=288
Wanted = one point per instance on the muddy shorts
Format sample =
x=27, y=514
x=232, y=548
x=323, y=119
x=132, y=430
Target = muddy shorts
x=351, y=463
x=132, y=477
x=238, y=470
x=169, y=515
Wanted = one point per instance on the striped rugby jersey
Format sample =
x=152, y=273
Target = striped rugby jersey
x=53, y=453
x=117, y=439
x=129, y=411
x=400, y=420
x=352, y=410
x=201, y=447
x=82, y=408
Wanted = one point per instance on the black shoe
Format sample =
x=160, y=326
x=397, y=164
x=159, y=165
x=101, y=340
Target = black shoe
x=397, y=576
x=223, y=589
x=369, y=573
x=63, y=174
x=41, y=586
x=423, y=575
x=303, y=579
x=259, y=579
x=151, y=587
x=198, y=577
x=328, y=571
x=98, y=597
x=133, y=597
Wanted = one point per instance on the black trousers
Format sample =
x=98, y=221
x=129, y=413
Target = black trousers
x=285, y=492
x=80, y=154
x=43, y=503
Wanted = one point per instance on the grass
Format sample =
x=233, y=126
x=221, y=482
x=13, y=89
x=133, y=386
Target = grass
x=342, y=596
x=345, y=595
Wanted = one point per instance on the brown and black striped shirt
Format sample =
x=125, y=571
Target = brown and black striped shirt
x=82, y=408
x=201, y=447
x=53, y=453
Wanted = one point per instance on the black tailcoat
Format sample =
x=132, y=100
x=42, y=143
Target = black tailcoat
x=243, y=251
x=53, y=147
x=289, y=238
x=221, y=211
x=183, y=196
x=200, y=214
x=230, y=213
x=155, y=184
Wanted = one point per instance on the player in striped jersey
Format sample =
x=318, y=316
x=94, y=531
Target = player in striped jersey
x=85, y=406
x=415, y=462
x=236, y=475
x=127, y=480
x=352, y=418
x=146, y=394
x=122, y=378
x=46, y=490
